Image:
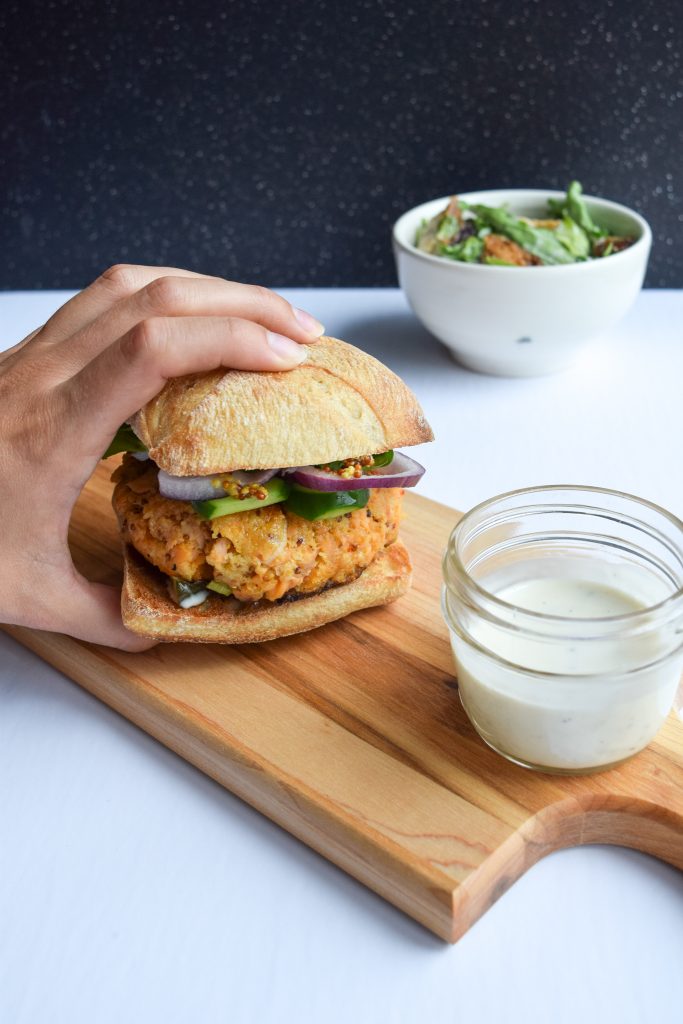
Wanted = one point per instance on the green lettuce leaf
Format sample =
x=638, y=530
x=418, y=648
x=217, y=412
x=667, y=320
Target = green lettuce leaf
x=574, y=206
x=573, y=238
x=467, y=251
x=541, y=242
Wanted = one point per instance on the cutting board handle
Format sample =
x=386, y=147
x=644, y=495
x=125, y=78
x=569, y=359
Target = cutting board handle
x=632, y=821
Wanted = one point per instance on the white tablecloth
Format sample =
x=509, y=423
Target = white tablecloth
x=132, y=888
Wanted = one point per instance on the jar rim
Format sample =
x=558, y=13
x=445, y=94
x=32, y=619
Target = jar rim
x=671, y=601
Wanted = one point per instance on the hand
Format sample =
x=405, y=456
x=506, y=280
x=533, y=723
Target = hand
x=66, y=389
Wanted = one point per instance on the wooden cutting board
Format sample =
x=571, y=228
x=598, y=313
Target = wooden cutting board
x=352, y=737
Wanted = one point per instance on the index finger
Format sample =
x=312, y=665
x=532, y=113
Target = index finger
x=184, y=297
x=131, y=371
x=117, y=283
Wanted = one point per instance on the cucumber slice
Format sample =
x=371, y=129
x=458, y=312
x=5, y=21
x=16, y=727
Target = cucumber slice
x=315, y=505
x=220, y=588
x=277, y=489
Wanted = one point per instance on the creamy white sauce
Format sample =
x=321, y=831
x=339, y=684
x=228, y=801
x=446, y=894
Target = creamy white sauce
x=569, y=598
x=590, y=708
x=194, y=599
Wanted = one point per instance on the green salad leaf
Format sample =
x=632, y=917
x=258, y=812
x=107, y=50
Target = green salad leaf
x=578, y=211
x=448, y=228
x=574, y=206
x=467, y=251
x=570, y=235
x=541, y=242
x=573, y=238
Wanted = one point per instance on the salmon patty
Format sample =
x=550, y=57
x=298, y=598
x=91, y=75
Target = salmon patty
x=262, y=554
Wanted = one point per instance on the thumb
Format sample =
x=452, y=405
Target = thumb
x=92, y=612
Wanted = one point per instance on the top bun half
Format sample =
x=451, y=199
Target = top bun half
x=340, y=403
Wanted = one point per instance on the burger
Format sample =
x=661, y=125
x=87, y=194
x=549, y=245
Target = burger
x=255, y=505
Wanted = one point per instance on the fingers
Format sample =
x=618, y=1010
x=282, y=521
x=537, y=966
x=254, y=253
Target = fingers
x=169, y=296
x=113, y=286
x=134, y=369
x=67, y=388
x=19, y=345
x=95, y=616
x=92, y=612
x=60, y=600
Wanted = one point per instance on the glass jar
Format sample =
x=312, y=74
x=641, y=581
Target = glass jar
x=565, y=611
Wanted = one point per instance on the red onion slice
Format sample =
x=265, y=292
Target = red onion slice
x=401, y=472
x=253, y=476
x=201, y=488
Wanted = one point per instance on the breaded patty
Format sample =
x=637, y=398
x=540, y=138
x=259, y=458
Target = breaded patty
x=265, y=553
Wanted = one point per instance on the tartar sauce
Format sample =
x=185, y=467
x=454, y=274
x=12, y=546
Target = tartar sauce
x=555, y=719
x=565, y=611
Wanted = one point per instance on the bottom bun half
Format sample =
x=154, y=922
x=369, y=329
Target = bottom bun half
x=148, y=610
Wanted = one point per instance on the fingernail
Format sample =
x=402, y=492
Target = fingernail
x=308, y=322
x=285, y=349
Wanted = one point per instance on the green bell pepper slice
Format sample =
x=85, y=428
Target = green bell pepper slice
x=125, y=440
x=383, y=459
x=315, y=505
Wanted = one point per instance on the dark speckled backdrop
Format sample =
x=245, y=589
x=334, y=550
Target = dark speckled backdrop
x=276, y=142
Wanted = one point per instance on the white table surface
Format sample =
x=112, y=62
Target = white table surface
x=132, y=888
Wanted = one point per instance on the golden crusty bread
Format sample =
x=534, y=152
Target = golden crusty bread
x=148, y=610
x=341, y=402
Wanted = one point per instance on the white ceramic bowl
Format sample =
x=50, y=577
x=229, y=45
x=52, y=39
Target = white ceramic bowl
x=521, y=321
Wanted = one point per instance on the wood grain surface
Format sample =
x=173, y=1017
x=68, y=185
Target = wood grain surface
x=352, y=737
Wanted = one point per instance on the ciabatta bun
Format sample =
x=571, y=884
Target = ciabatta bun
x=149, y=611
x=341, y=402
